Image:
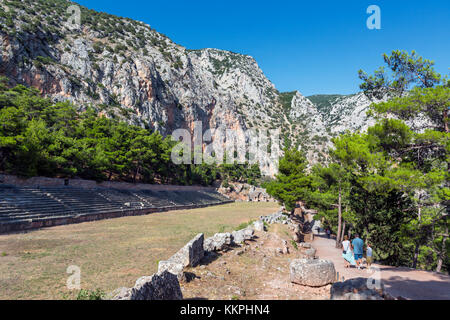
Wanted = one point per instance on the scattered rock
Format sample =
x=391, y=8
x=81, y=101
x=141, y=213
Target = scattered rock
x=356, y=289
x=121, y=294
x=278, y=217
x=312, y=273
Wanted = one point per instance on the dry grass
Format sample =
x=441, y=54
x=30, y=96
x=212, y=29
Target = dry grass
x=111, y=253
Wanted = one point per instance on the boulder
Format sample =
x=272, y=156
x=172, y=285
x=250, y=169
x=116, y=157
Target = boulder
x=218, y=242
x=258, y=225
x=240, y=236
x=312, y=273
x=356, y=289
x=160, y=286
x=172, y=267
x=191, y=254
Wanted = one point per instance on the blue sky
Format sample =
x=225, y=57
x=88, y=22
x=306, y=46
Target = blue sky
x=315, y=47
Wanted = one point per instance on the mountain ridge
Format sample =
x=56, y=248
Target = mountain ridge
x=126, y=69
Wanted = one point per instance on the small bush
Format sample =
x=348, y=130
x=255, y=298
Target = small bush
x=294, y=244
x=90, y=295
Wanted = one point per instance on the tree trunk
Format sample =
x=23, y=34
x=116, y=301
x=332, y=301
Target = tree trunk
x=338, y=235
x=443, y=251
x=416, y=249
x=343, y=231
x=416, y=256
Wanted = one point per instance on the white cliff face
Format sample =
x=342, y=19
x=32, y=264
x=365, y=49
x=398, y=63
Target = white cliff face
x=304, y=111
x=349, y=113
x=127, y=70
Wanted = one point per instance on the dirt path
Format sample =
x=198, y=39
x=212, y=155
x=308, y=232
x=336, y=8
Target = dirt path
x=405, y=282
x=255, y=271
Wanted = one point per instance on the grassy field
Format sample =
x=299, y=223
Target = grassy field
x=111, y=253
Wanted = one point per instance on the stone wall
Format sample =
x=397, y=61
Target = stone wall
x=164, y=285
x=90, y=184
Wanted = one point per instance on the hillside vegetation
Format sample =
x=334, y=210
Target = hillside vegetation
x=41, y=138
x=391, y=183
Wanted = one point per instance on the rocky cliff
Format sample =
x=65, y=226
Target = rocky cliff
x=126, y=69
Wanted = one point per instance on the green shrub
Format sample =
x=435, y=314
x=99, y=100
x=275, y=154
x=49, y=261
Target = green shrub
x=90, y=295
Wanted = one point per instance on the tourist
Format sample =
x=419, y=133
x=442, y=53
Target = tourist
x=345, y=249
x=369, y=256
x=358, y=250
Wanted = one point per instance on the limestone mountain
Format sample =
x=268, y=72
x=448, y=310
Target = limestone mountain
x=126, y=69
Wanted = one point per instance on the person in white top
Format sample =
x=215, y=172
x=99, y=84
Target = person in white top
x=345, y=248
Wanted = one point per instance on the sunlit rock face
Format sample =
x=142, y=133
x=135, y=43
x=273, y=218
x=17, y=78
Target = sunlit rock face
x=127, y=70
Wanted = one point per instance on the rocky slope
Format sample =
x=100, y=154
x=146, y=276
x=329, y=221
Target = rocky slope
x=125, y=69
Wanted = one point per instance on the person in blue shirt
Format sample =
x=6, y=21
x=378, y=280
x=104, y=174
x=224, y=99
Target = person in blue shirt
x=358, y=250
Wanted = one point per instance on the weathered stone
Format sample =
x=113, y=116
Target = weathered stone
x=277, y=217
x=310, y=253
x=312, y=273
x=160, y=286
x=121, y=294
x=356, y=289
x=191, y=254
x=218, y=242
x=240, y=236
x=258, y=225
x=173, y=267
